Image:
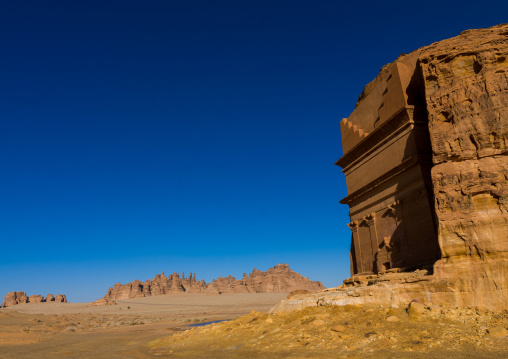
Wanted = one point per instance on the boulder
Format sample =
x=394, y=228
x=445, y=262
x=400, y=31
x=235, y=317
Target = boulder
x=61, y=298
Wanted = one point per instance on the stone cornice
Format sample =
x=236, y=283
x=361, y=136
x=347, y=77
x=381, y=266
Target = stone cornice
x=377, y=138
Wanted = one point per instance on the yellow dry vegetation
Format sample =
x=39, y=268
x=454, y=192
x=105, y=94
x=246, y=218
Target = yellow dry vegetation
x=345, y=332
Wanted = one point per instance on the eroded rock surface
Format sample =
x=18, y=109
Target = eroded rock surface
x=279, y=279
x=466, y=88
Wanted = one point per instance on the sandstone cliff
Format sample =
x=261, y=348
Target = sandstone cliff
x=462, y=84
x=279, y=279
x=14, y=298
x=466, y=91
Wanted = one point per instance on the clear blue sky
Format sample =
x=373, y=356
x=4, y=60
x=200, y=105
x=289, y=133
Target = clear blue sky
x=147, y=136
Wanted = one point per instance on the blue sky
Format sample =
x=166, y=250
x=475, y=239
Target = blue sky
x=147, y=136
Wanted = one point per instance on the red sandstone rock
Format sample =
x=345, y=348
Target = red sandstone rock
x=279, y=279
x=466, y=89
x=50, y=298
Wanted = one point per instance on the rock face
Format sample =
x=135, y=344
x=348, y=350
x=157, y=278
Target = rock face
x=279, y=279
x=466, y=91
x=14, y=298
x=426, y=165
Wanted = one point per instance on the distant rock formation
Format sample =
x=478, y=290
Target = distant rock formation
x=14, y=298
x=279, y=279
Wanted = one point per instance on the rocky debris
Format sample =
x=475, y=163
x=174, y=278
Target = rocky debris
x=14, y=298
x=352, y=331
x=297, y=292
x=279, y=279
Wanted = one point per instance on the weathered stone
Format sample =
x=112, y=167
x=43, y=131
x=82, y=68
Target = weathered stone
x=416, y=309
x=297, y=292
x=392, y=319
x=50, y=298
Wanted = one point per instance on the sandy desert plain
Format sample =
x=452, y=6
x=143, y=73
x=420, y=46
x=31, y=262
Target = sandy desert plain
x=158, y=326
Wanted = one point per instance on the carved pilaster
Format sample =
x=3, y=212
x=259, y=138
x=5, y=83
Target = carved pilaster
x=353, y=226
x=397, y=237
x=370, y=219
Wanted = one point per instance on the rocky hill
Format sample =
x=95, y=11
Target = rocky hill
x=279, y=279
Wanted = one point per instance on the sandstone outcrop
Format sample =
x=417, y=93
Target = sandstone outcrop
x=61, y=298
x=14, y=298
x=426, y=165
x=279, y=279
x=35, y=298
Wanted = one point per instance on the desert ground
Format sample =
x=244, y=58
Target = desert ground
x=80, y=330
x=159, y=327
